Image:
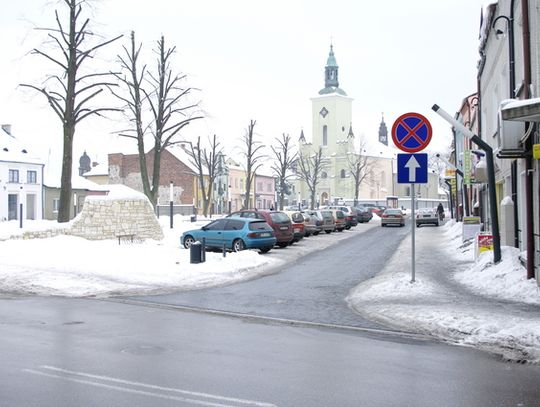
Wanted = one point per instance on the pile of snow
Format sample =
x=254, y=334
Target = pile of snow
x=426, y=307
x=72, y=266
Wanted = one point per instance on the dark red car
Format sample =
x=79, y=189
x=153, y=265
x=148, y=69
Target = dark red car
x=280, y=222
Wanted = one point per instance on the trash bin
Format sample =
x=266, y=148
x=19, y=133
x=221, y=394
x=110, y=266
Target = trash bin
x=195, y=253
x=193, y=218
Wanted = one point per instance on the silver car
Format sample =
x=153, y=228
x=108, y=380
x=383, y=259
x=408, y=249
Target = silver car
x=392, y=216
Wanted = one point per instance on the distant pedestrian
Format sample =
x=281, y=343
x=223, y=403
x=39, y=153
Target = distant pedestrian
x=440, y=211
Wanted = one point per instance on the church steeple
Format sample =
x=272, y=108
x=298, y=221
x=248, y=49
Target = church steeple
x=383, y=132
x=302, y=138
x=331, y=70
x=331, y=82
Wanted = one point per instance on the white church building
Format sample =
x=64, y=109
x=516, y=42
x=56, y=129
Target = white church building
x=332, y=131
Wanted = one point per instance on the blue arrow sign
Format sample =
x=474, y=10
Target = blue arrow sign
x=412, y=168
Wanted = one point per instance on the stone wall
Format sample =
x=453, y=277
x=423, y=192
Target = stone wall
x=103, y=218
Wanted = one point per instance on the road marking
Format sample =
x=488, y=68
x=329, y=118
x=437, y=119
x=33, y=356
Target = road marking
x=89, y=379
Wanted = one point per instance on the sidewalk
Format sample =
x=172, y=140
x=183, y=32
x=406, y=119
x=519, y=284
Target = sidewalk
x=491, y=307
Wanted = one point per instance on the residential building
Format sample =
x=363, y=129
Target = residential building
x=509, y=69
x=125, y=169
x=21, y=180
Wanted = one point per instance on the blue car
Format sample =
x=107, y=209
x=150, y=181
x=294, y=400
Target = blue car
x=235, y=233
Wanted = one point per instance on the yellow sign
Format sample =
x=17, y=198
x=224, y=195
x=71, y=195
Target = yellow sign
x=536, y=151
x=450, y=172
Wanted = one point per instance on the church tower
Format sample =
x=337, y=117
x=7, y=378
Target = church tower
x=383, y=132
x=331, y=112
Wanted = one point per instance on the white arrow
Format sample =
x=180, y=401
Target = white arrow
x=412, y=165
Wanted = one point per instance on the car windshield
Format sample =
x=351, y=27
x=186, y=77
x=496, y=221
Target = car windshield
x=297, y=217
x=393, y=212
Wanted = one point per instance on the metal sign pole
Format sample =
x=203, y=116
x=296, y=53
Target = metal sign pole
x=413, y=224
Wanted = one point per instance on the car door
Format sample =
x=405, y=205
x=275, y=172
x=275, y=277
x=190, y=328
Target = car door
x=233, y=230
x=213, y=233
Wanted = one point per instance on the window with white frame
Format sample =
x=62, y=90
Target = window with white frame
x=14, y=176
x=55, y=204
x=31, y=177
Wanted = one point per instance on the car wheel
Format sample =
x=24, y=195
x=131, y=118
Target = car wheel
x=264, y=250
x=238, y=245
x=315, y=233
x=328, y=232
x=188, y=241
x=283, y=244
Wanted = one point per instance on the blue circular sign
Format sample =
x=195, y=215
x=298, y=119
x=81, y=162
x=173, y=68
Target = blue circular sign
x=411, y=132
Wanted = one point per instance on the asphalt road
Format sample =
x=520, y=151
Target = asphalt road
x=77, y=352
x=172, y=350
x=312, y=288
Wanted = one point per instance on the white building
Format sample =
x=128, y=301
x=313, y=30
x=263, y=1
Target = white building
x=509, y=69
x=21, y=180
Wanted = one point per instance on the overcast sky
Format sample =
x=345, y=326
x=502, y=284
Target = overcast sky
x=259, y=60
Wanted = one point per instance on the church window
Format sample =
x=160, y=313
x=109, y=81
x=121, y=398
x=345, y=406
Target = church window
x=324, y=175
x=343, y=175
x=325, y=135
x=342, y=128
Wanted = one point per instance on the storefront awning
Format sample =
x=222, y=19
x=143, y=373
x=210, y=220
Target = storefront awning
x=527, y=110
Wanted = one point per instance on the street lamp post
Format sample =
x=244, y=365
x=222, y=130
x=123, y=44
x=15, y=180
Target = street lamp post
x=171, y=199
x=490, y=173
x=230, y=199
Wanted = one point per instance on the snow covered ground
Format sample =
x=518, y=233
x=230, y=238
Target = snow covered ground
x=493, y=307
x=72, y=266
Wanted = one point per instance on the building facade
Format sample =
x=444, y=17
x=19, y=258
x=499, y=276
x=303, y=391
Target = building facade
x=332, y=132
x=509, y=70
x=21, y=180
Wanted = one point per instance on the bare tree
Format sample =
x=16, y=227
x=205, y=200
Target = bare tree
x=285, y=158
x=206, y=163
x=162, y=93
x=70, y=92
x=309, y=170
x=253, y=156
x=360, y=165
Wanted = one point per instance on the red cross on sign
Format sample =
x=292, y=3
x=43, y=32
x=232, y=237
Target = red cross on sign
x=411, y=132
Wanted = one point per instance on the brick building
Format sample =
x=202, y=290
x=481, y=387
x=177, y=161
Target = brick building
x=125, y=169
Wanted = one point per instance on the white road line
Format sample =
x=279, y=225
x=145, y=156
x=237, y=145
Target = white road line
x=63, y=372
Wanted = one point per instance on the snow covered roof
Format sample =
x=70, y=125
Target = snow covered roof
x=11, y=149
x=99, y=169
x=77, y=182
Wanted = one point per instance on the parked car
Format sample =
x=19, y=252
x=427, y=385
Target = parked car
x=235, y=233
x=279, y=221
x=328, y=220
x=313, y=222
x=298, y=226
x=392, y=216
x=349, y=212
x=427, y=216
x=363, y=214
x=340, y=219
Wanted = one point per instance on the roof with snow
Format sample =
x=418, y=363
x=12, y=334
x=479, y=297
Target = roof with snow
x=11, y=149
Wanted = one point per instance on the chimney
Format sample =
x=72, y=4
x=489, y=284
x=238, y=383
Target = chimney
x=7, y=128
